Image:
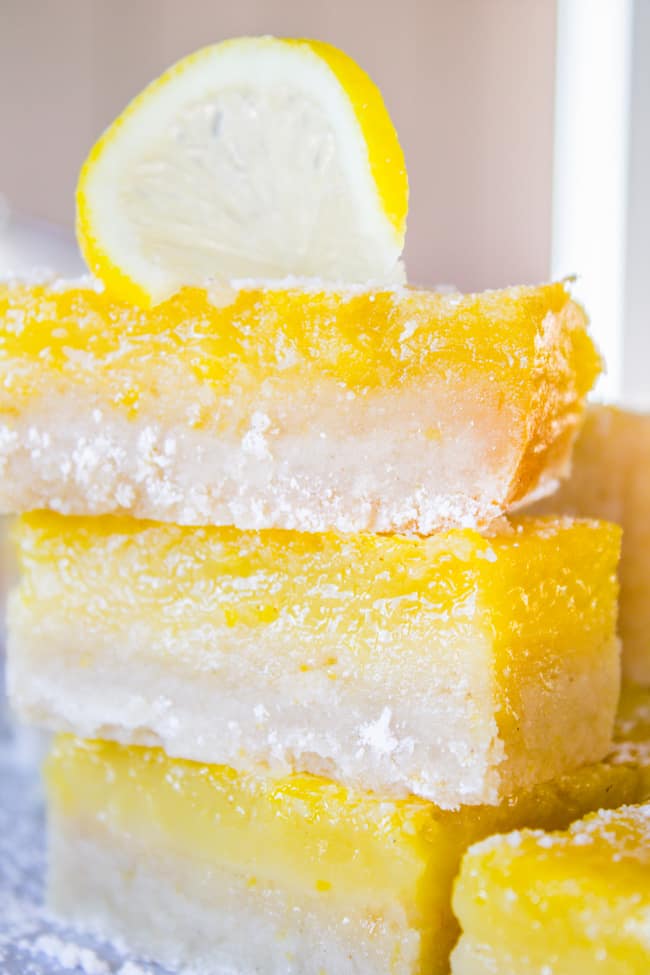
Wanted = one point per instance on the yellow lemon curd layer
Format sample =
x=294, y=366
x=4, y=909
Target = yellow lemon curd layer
x=458, y=667
x=559, y=572
x=563, y=903
x=361, y=855
x=364, y=339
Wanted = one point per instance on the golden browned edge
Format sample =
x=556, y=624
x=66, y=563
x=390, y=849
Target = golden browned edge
x=567, y=368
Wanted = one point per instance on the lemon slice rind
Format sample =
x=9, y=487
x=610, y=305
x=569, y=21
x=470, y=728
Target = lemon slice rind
x=256, y=158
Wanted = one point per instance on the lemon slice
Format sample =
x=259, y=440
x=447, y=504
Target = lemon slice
x=254, y=158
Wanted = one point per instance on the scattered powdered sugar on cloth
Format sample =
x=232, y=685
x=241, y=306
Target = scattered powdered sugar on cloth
x=32, y=942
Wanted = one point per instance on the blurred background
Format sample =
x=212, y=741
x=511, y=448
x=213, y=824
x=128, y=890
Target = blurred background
x=525, y=124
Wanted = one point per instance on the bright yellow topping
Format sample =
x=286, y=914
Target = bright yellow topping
x=296, y=338
x=254, y=158
x=542, y=576
x=565, y=903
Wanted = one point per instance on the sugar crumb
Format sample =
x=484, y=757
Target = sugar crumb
x=69, y=955
x=377, y=734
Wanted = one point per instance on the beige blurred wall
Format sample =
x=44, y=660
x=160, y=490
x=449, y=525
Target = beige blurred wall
x=469, y=84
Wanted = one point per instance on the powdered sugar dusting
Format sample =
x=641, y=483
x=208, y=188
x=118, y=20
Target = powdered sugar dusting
x=254, y=442
x=70, y=956
x=377, y=735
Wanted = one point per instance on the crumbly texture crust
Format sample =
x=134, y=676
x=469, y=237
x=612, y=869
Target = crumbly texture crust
x=351, y=469
x=221, y=712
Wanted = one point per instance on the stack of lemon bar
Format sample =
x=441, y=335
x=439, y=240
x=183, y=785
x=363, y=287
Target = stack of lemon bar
x=298, y=654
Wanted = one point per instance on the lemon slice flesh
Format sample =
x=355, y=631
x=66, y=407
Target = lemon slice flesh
x=254, y=158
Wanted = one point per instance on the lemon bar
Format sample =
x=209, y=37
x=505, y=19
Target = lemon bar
x=201, y=865
x=610, y=476
x=455, y=667
x=393, y=410
x=560, y=903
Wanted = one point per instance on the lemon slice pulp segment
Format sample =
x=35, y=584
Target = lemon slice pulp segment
x=254, y=158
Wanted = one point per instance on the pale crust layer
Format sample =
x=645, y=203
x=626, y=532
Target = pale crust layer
x=398, y=733
x=255, y=708
x=184, y=913
x=330, y=464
